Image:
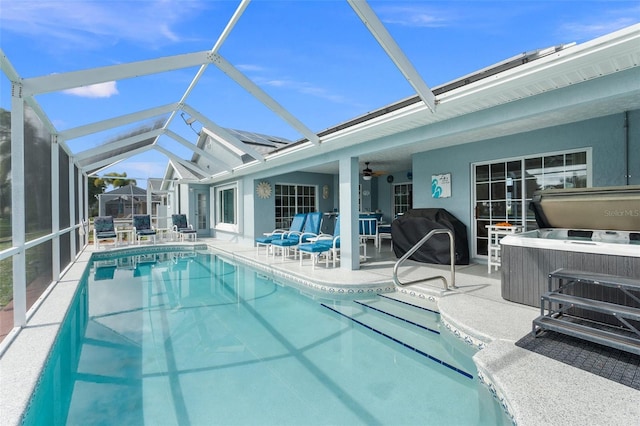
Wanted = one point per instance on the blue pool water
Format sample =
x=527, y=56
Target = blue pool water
x=193, y=339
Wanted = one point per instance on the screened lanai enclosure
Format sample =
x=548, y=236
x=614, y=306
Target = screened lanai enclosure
x=45, y=170
x=231, y=139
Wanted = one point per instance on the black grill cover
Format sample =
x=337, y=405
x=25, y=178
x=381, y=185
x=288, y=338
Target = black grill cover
x=411, y=227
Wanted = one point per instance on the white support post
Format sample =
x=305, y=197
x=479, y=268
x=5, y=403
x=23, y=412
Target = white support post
x=150, y=206
x=83, y=198
x=55, y=208
x=349, y=235
x=72, y=209
x=18, y=207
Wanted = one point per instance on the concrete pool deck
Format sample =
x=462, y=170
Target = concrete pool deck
x=537, y=390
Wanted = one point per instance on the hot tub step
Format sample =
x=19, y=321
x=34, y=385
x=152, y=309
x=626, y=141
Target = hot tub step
x=605, y=280
x=591, y=334
x=614, y=309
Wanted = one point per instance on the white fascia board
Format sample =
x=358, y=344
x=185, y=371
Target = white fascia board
x=171, y=169
x=70, y=80
x=107, y=162
x=377, y=29
x=189, y=165
x=562, y=63
x=122, y=120
x=229, y=148
x=182, y=141
x=217, y=132
x=116, y=145
x=263, y=97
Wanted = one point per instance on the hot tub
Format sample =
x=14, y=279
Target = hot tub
x=529, y=257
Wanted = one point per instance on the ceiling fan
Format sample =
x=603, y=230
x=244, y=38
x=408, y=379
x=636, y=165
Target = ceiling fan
x=367, y=173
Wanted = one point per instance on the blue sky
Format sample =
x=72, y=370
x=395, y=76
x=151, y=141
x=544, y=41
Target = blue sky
x=315, y=58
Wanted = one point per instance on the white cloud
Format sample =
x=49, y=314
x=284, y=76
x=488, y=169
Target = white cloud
x=101, y=90
x=250, y=67
x=581, y=31
x=304, y=88
x=413, y=16
x=87, y=24
x=145, y=169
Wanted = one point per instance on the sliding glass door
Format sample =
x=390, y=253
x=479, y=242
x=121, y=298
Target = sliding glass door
x=504, y=188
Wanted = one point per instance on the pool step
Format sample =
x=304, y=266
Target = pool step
x=414, y=327
x=419, y=316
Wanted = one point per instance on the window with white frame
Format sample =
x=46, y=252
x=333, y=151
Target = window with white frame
x=402, y=198
x=504, y=188
x=293, y=199
x=227, y=207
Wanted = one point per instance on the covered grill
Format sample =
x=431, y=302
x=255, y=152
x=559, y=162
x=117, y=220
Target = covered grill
x=411, y=227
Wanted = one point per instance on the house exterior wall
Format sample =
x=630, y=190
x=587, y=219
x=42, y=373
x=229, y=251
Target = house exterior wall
x=633, y=123
x=604, y=135
x=384, y=198
x=265, y=217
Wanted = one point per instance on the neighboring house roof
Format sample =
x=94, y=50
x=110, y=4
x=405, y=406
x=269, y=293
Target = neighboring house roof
x=127, y=190
x=182, y=172
x=221, y=156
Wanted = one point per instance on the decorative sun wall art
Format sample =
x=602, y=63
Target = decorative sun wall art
x=263, y=190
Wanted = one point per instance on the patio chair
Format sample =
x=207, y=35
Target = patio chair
x=324, y=244
x=291, y=239
x=368, y=229
x=297, y=224
x=384, y=233
x=104, y=229
x=142, y=228
x=181, y=228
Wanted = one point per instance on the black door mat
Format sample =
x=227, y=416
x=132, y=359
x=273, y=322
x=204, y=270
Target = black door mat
x=613, y=364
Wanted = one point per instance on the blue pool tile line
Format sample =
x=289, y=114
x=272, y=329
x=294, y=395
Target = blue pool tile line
x=140, y=250
x=409, y=304
x=400, y=318
x=406, y=345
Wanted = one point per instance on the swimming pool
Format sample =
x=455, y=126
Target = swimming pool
x=192, y=338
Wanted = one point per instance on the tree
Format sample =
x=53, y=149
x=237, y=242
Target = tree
x=97, y=186
x=5, y=173
x=117, y=180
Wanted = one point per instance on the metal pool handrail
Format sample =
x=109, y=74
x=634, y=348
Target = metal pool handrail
x=452, y=247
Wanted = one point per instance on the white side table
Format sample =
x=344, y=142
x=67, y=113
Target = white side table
x=125, y=232
x=495, y=235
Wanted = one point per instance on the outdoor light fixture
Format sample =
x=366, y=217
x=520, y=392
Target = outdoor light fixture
x=189, y=121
